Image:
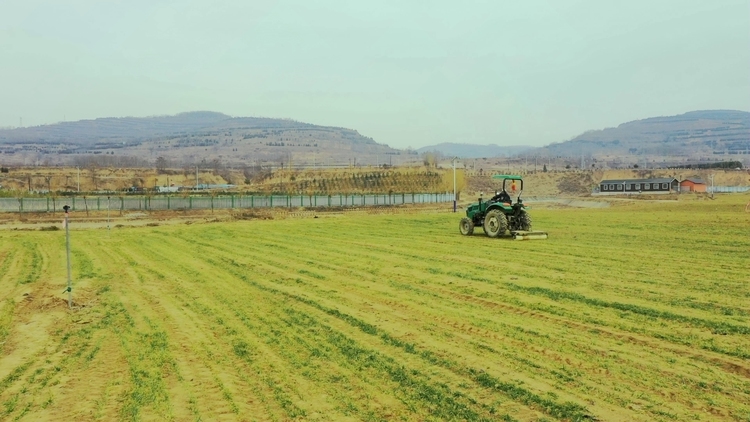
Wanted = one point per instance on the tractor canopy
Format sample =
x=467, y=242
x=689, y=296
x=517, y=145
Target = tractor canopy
x=513, y=177
x=507, y=176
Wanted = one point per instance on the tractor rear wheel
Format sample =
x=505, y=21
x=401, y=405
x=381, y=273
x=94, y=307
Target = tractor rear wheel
x=522, y=222
x=495, y=223
x=466, y=226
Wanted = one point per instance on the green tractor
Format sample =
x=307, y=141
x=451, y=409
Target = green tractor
x=499, y=214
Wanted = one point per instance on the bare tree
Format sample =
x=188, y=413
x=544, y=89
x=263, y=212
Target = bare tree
x=161, y=164
x=94, y=173
x=431, y=158
x=48, y=180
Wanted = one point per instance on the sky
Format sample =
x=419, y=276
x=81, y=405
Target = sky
x=406, y=73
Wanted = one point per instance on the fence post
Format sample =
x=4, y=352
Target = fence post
x=20, y=201
x=48, y=204
x=271, y=201
x=74, y=203
x=98, y=205
x=252, y=201
x=122, y=204
x=168, y=203
x=329, y=201
x=232, y=196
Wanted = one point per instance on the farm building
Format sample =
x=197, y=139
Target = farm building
x=692, y=184
x=619, y=186
x=168, y=189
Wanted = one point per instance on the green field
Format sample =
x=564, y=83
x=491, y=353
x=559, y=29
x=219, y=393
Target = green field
x=638, y=312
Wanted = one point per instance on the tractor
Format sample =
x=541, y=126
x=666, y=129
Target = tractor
x=500, y=214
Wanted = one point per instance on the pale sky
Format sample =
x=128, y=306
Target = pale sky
x=407, y=73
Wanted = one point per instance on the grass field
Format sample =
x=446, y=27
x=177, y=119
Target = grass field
x=638, y=312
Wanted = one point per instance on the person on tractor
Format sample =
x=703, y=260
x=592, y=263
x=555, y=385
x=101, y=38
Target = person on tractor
x=501, y=197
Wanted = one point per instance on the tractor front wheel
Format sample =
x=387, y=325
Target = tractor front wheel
x=495, y=223
x=466, y=226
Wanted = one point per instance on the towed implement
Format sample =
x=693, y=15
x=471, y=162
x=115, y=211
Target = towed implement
x=500, y=215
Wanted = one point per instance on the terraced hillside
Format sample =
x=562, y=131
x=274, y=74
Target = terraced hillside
x=205, y=139
x=625, y=314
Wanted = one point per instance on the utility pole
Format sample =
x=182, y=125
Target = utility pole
x=107, y=214
x=67, y=250
x=712, y=186
x=454, y=184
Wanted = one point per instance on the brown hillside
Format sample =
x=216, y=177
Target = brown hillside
x=19, y=181
x=40, y=180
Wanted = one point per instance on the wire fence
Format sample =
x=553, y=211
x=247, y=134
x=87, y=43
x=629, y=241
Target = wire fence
x=148, y=203
x=728, y=189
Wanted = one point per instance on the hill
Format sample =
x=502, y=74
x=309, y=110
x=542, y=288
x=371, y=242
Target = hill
x=693, y=136
x=108, y=130
x=449, y=149
x=188, y=139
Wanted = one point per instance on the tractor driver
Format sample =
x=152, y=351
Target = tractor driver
x=501, y=197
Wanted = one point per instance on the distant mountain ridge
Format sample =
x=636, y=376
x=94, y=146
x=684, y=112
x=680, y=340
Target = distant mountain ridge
x=189, y=138
x=704, y=132
x=87, y=132
x=449, y=149
x=205, y=136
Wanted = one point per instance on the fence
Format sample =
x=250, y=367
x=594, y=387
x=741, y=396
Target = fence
x=148, y=203
x=728, y=189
